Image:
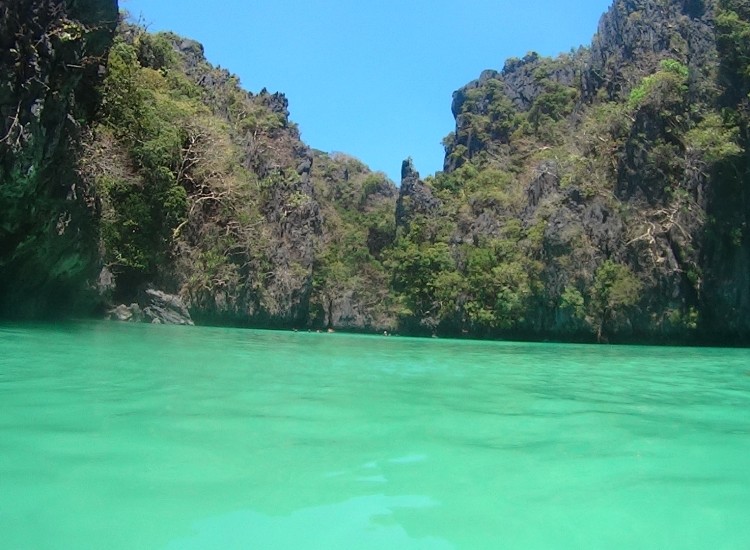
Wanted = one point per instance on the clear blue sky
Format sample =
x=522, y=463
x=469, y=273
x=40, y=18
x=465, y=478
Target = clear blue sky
x=372, y=79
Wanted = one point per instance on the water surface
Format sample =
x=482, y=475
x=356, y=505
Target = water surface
x=137, y=436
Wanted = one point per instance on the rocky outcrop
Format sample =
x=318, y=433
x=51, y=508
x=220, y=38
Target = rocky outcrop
x=495, y=97
x=293, y=214
x=163, y=308
x=519, y=81
x=588, y=161
x=125, y=314
x=154, y=307
x=634, y=35
x=414, y=197
x=267, y=232
x=601, y=192
x=51, y=59
x=351, y=311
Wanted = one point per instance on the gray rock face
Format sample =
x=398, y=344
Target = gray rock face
x=295, y=217
x=346, y=312
x=166, y=309
x=634, y=35
x=414, y=197
x=156, y=307
x=267, y=249
x=520, y=83
x=123, y=313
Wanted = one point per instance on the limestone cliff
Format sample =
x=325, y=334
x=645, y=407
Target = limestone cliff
x=52, y=56
x=229, y=208
x=619, y=158
x=599, y=195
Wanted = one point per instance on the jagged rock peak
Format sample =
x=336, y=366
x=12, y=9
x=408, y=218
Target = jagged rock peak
x=414, y=196
x=408, y=173
x=276, y=102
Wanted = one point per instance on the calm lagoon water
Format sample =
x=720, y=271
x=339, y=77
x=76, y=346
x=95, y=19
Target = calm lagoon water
x=134, y=436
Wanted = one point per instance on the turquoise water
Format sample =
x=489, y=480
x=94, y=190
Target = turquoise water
x=135, y=436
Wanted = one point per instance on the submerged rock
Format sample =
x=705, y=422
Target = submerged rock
x=122, y=313
x=167, y=309
x=158, y=308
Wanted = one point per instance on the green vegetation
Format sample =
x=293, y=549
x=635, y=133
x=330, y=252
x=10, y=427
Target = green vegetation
x=153, y=120
x=350, y=282
x=208, y=191
x=562, y=212
x=663, y=88
x=600, y=195
x=583, y=212
x=615, y=288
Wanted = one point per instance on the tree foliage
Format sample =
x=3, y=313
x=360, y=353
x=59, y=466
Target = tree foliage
x=574, y=199
x=153, y=122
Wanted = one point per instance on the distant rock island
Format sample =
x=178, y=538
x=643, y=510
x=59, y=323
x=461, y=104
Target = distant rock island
x=601, y=195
